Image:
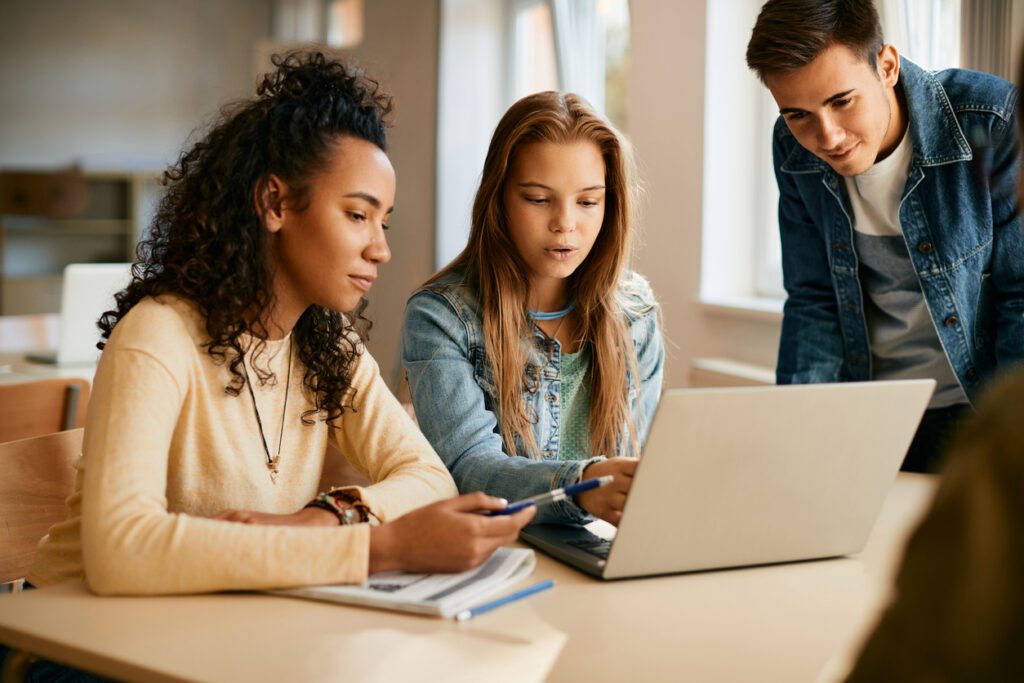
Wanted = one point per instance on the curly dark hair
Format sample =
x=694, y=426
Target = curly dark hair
x=207, y=243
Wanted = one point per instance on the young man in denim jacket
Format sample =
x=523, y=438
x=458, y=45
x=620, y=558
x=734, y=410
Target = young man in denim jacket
x=903, y=255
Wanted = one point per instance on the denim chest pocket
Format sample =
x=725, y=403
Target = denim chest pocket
x=483, y=373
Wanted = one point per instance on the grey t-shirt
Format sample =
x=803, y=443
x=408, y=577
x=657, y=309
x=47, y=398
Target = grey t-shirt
x=904, y=343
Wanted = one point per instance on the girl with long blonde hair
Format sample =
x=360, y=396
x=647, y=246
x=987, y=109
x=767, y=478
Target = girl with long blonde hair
x=535, y=358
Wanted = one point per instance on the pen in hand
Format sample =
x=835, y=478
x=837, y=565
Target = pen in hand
x=554, y=496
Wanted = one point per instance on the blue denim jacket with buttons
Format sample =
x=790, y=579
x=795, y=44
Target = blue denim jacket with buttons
x=454, y=394
x=959, y=218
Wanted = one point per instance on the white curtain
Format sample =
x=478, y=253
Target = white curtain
x=298, y=21
x=579, y=49
x=336, y=23
x=925, y=31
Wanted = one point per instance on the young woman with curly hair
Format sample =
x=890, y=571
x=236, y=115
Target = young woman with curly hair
x=537, y=352
x=235, y=356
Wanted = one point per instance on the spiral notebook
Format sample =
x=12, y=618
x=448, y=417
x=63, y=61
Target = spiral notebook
x=439, y=595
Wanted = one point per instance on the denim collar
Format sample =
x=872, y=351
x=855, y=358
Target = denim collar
x=465, y=298
x=934, y=130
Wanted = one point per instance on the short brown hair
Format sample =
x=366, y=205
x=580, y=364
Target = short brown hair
x=789, y=34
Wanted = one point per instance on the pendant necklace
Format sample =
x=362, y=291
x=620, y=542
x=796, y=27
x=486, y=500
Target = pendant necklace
x=272, y=461
x=552, y=315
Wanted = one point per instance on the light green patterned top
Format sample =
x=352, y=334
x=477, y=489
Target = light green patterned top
x=574, y=406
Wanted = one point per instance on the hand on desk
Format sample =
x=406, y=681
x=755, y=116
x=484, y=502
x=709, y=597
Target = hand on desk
x=607, y=502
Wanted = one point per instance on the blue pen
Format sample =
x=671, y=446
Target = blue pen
x=512, y=597
x=552, y=496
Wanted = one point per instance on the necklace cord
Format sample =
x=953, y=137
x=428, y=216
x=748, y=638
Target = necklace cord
x=551, y=315
x=284, y=411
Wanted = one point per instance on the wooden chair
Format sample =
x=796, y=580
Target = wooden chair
x=45, y=406
x=36, y=477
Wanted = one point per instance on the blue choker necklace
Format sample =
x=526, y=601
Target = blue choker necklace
x=551, y=315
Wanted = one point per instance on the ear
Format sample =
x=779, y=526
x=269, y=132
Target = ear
x=268, y=199
x=888, y=64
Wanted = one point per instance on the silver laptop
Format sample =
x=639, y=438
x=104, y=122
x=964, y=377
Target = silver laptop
x=752, y=475
x=87, y=292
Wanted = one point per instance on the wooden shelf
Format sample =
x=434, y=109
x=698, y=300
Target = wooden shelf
x=49, y=220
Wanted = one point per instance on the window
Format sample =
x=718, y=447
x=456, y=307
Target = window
x=533, y=65
x=334, y=23
x=494, y=52
x=925, y=31
x=580, y=46
x=739, y=252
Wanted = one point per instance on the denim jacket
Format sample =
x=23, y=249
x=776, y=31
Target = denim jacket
x=959, y=218
x=454, y=394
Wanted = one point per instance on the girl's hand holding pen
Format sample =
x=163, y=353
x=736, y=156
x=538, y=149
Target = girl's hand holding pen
x=553, y=496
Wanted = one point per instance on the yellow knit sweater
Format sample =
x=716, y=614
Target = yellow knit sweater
x=165, y=447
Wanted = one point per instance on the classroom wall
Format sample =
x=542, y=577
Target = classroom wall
x=166, y=67
x=400, y=46
x=666, y=124
x=117, y=84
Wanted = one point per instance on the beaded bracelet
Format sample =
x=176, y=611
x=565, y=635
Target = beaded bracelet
x=355, y=512
x=356, y=502
x=346, y=515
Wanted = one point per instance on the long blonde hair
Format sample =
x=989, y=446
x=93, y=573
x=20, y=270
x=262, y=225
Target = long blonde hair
x=494, y=268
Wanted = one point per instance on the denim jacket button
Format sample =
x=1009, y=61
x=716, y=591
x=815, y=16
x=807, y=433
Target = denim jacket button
x=970, y=374
x=925, y=247
x=552, y=398
x=951, y=321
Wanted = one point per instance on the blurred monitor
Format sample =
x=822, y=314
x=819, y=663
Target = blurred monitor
x=88, y=291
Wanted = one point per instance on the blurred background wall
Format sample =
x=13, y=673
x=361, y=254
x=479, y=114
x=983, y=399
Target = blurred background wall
x=116, y=88
x=120, y=85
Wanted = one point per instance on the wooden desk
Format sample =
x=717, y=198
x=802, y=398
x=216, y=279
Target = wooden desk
x=23, y=334
x=15, y=368
x=29, y=332
x=780, y=623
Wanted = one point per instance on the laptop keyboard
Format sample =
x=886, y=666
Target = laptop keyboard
x=596, y=546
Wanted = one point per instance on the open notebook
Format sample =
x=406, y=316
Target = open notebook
x=439, y=595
